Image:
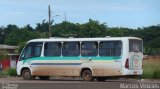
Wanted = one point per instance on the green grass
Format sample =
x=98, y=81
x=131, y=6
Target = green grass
x=8, y=72
x=151, y=69
x=3, y=73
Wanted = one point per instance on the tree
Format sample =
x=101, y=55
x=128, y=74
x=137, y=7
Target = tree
x=118, y=32
x=17, y=36
x=94, y=29
x=13, y=35
x=21, y=46
x=66, y=29
x=3, y=55
x=28, y=27
x=5, y=31
x=43, y=27
x=2, y=36
x=10, y=28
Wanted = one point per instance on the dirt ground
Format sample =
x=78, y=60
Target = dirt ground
x=151, y=58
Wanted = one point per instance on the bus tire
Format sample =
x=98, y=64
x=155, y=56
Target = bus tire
x=26, y=74
x=87, y=75
x=44, y=77
x=100, y=78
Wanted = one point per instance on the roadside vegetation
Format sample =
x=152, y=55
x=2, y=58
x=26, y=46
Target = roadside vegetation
x=8, y=72
x=151, y=68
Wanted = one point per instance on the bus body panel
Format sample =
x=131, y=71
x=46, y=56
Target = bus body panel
x=72, y=66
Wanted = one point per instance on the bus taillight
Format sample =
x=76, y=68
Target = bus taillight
x=127, y=63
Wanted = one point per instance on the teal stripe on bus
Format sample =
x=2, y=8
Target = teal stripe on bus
x=56, y=63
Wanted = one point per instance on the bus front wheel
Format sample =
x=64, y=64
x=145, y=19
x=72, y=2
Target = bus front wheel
x=87, y=75
x=26, y=74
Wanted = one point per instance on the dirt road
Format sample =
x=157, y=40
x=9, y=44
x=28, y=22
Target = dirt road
x=76, y=83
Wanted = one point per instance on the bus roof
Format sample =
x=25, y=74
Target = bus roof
x=82, y=39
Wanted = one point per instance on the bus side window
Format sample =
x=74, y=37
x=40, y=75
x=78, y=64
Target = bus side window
x=110, y=48
x=89, y=48
x=71, y=49
x=52, y=49
x=135, y=45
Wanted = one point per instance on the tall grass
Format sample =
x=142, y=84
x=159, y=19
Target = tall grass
x=8, y=72
x=151, y=69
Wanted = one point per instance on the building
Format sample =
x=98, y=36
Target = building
x=11, y=60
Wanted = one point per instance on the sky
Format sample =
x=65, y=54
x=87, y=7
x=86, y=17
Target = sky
x=115, y=13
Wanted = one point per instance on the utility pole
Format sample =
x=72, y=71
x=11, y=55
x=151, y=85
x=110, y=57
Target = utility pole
x=65, y=17
x=49, y=21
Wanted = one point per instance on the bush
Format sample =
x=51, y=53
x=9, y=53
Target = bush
x=156, y=74
x=3, y=74
x=8, y=72
x=12, y=71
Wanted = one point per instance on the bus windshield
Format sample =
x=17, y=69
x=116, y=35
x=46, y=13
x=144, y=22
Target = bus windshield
x=32, y=50
x=135, y=45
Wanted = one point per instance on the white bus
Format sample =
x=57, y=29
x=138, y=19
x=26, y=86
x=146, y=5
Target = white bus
x=89, y=58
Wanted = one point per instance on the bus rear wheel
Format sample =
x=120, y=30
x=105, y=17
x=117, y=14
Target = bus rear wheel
x=87, y=75
x=26, y=74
